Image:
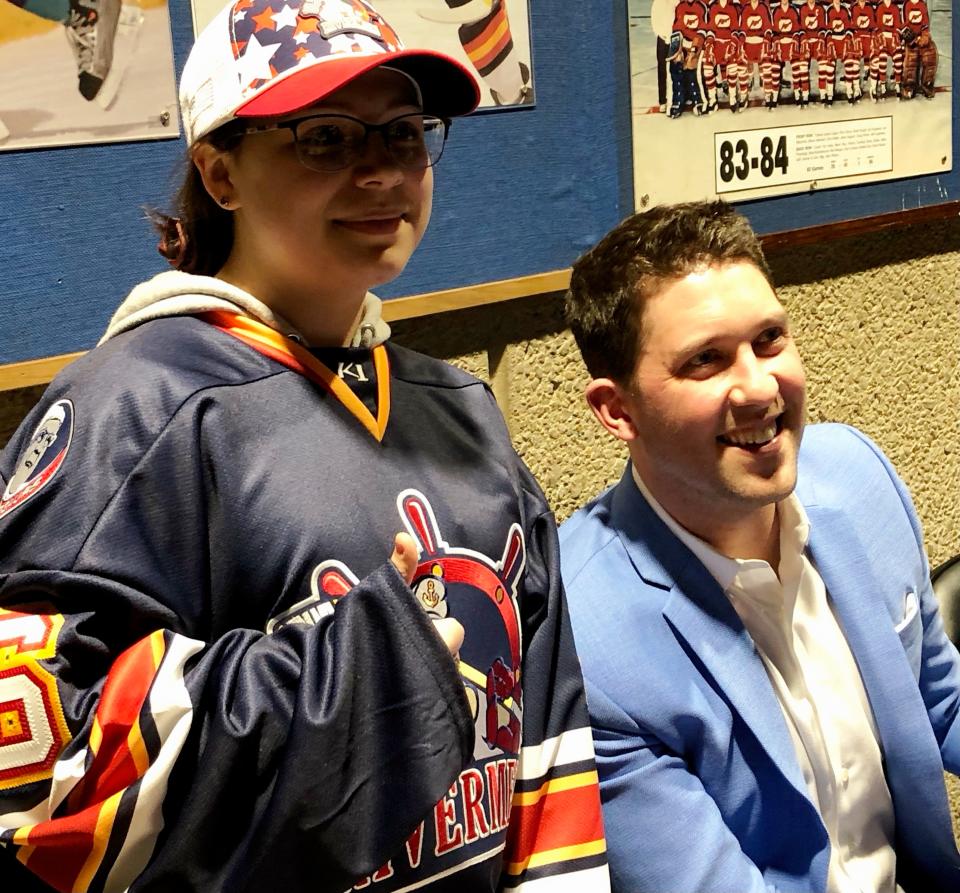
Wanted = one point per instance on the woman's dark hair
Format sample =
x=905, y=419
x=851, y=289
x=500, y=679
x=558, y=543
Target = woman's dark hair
x=198, y=235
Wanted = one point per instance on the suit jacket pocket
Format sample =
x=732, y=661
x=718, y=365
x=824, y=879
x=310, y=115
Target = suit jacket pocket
x=910, y=631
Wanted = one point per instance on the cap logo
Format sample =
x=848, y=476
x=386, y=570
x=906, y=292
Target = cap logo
x=342, y=17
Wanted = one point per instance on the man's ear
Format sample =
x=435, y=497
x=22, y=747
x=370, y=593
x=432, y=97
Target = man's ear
x=213, y=165
x=609, y=402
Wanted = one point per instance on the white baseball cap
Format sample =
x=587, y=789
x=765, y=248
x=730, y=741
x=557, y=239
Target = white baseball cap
x=261, y=58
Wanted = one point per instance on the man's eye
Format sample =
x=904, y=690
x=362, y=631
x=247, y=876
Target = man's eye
x=771, y=338
x=704, y=358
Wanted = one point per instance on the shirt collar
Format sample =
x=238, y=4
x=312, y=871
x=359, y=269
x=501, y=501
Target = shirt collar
x=794, y=533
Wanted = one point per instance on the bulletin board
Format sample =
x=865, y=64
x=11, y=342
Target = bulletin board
x=519, y=194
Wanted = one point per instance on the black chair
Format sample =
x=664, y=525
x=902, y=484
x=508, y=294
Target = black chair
x=946, y=586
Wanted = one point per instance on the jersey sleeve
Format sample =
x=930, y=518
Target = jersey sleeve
x=144, y=746
x=555, y=839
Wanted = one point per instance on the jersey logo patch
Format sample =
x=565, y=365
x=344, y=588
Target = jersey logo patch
x=42, y=458
x=468, y=825
x=478, y=591
x=481, y=594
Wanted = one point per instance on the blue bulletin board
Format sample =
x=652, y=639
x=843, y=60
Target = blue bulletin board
x=518, y=192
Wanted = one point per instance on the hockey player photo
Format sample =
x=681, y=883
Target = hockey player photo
x=490, y=36
x=820, y=91
x=280, y=604
x=85, y=71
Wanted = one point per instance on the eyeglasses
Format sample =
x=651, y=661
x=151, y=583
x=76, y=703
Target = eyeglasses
x=335, y=142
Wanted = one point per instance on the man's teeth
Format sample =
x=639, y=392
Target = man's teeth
x=751, y=438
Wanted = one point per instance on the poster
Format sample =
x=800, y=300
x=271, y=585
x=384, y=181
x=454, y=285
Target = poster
x=768, y=105
x=490, y=36
x=85, y=71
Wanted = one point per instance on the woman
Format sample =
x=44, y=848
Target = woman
x=216, y=680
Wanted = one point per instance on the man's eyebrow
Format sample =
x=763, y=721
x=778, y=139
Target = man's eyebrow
x=779, y=318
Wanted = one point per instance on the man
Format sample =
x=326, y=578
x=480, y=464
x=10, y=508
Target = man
x=723, y=52
x=786, y=52
x=813, y=22
x=889, y=46
x=772, y=694
x=864, y=24
x=839, y=50
x=686, y=58
x=920, y=56
x=757, y=30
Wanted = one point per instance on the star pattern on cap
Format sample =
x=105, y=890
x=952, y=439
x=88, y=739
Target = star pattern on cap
x=254, y=63
x=286, y=18
x=272, y=37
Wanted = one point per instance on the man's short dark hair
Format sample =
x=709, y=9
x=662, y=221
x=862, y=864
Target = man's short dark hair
x=610, y=283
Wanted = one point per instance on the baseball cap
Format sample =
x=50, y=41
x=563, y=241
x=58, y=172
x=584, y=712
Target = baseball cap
x=261, y=58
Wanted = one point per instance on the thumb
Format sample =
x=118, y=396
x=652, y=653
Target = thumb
x=451, y=632
x=405, y=555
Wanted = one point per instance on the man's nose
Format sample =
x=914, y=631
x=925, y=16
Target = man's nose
x=753, y=382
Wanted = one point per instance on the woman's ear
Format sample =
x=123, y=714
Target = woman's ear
x=610, y=403
x=213, y=164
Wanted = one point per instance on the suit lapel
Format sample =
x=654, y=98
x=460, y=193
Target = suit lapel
x=702, y=616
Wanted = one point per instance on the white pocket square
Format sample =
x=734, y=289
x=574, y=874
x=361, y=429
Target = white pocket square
x=910, y=608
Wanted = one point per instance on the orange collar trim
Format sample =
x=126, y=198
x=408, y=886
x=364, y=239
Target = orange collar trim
x=272, y=344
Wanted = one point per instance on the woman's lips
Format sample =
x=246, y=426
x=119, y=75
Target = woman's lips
x=374, y=226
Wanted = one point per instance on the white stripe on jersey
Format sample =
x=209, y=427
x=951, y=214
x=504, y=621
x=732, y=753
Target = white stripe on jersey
x=594, y=880
x=172, y=711
x=572, y=746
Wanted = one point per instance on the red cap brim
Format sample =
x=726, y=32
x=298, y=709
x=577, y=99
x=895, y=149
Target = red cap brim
x=448, y=88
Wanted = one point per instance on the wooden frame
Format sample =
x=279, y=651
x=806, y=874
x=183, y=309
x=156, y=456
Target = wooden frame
x=38, y=372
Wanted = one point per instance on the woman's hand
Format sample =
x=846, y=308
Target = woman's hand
x=404, y=559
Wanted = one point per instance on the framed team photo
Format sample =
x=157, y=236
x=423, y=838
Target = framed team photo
x=85, y=71
x=490, y=36
x=752, y=98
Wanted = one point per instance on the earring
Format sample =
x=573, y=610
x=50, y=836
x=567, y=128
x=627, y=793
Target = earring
x=224, y=201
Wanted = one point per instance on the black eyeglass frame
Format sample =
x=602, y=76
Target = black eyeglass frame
x=293, y=123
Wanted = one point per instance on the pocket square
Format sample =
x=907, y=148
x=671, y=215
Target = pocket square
x=910, y=608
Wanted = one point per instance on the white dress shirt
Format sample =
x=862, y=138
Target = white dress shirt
x=821, y=694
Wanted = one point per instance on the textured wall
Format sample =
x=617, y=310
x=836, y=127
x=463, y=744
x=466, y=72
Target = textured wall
x=878, y=323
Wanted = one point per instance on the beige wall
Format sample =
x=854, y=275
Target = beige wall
x=878, y=323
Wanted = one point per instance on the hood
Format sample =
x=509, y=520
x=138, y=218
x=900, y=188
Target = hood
x=183, y=294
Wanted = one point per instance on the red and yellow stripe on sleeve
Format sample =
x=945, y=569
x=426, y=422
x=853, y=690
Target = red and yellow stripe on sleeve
x=556, y=827
x=139, y=717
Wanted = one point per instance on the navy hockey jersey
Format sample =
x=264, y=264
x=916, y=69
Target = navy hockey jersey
x=210, y=676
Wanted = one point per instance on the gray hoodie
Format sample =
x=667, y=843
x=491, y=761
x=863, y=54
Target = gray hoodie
x=183, y=294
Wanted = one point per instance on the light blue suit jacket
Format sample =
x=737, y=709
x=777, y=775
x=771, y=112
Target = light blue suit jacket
x=701, y=786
